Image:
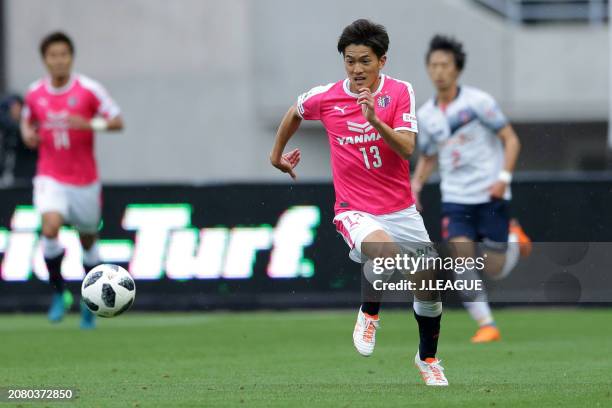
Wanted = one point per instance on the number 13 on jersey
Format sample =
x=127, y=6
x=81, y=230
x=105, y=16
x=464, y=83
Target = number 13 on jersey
x=374, y=153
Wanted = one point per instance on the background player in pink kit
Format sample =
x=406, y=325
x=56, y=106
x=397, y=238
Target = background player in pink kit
x=371, y=125
x=62, y=112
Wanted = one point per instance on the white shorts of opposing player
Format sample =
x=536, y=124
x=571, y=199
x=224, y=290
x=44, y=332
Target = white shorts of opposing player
x=79, y=205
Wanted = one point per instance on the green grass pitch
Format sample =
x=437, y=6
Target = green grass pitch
x=548, y=358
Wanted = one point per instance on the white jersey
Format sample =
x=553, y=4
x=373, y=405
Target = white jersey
x=470, y=154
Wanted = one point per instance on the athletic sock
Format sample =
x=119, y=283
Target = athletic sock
x=513, y=254
x=370, y=297
x=54, y=254
x=428, y=315
x=480, y=312
x=475, y=302
x=370, y=308
x=51, y=247
x=91, y=257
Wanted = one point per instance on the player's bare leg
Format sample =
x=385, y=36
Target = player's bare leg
x=427, y=312
x=476, y=303
x=53, y=253
x=499, y=264
x=377, y=244
x=91, y=258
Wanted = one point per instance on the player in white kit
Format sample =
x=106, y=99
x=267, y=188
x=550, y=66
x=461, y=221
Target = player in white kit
x=463, y=129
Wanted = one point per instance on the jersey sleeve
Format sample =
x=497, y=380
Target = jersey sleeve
x=106, y=106
x=489, y=113
x=309, y=103
x=405, y=111
x=425, y=142
x=103, y=104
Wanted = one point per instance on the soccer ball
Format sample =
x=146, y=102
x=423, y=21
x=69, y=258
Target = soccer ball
x=108, y=290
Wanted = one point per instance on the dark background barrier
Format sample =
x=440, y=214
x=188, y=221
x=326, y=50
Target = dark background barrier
x=550, y=211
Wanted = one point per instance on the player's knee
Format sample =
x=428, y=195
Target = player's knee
x=426, y=295
x=425, y=278
x=50, y=230
x=51, y=224
x=373, y=249
x=494, y=263
x=494, y=271
x=462, y=246
x=461, y=238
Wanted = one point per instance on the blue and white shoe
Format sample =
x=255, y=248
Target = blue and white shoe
x=88, y=319
x=60, y=303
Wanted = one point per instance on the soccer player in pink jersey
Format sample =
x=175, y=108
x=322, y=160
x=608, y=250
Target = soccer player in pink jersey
x=371, y=125
x=62, y=111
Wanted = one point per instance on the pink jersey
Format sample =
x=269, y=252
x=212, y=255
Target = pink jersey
x=368, y=175
x=65, y=154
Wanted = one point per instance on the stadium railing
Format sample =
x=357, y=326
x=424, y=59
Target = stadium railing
x=549, y=11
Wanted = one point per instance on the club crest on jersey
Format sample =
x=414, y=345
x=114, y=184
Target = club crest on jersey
x=72, y=101
x=384, y=101
x=466, y=115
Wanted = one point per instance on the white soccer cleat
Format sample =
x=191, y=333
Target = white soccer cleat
x=364, y=335
x=431, y=371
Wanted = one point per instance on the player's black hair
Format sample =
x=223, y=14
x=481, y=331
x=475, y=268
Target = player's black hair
x=449, y=44
x=365, y=32
x=54, y=37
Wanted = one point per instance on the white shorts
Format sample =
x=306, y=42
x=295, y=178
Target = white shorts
x=406, y=227
x=79, y=205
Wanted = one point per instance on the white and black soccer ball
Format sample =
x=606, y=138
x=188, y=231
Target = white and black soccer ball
x=108, y=290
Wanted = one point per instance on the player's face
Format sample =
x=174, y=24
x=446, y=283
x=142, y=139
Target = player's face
x=58, y=60
x=362, y=66
x=442, y=69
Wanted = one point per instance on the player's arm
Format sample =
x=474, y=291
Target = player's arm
x=424, y=168
x=114, y=124
x=27, y=125
x=401, y=141
x=97, y=124
x=29, y=135
x=287, y=128
x=512, y=148
x=107, y=116
x=491, y=115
